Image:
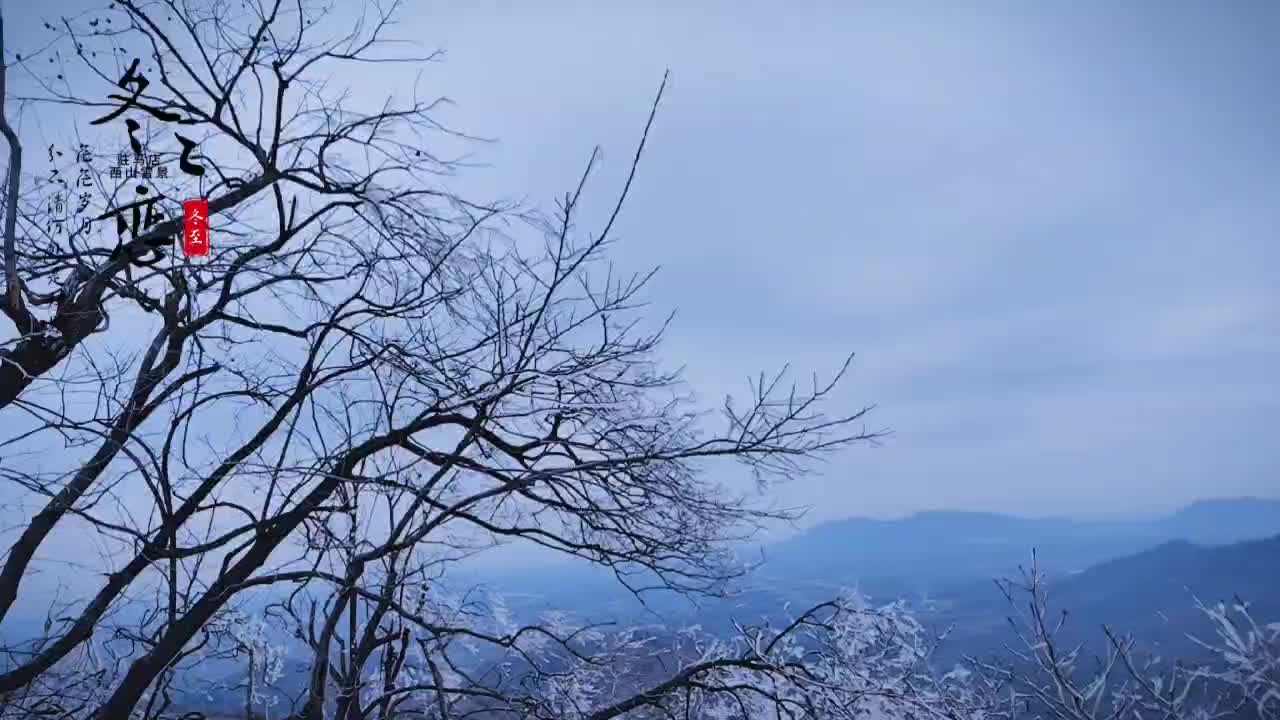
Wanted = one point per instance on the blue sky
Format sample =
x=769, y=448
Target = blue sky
x=1048, y=230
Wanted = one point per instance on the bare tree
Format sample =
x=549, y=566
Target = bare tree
x=283, y=451
x=369, y=379
x=1047, y=677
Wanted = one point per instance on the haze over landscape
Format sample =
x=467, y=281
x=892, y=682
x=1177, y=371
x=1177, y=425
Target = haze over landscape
x=403, y=447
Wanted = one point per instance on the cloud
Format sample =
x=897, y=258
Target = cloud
x=1046, y=231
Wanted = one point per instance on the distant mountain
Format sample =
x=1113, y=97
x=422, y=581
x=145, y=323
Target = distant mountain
x=1221, y=522
x=1140, y=577
x=931, y=550
x=1152, y=594
x=927, y=553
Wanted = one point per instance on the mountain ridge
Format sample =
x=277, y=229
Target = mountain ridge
x=925, y=553
x=954, y=543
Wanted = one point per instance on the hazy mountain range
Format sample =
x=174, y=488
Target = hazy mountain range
x=1138, y=576
x=1143, y=577
x=928, y=553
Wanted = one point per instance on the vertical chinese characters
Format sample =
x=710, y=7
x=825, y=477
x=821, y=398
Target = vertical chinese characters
x=196, y=227
x=57, y=204
x=144, y=213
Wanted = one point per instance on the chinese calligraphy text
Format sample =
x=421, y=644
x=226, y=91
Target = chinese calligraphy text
x=195, y=232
